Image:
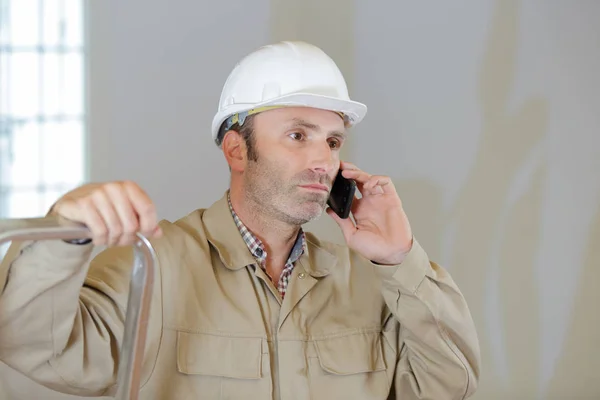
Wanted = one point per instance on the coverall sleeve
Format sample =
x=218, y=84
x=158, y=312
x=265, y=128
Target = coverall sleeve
x=439, y=356
x=62, y=317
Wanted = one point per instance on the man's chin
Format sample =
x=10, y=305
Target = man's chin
x=307, y=212
x=314, y=211
x=314, y=203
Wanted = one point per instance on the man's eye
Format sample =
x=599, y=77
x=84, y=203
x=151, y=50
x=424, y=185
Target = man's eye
x=334, y=144
x=296, y=135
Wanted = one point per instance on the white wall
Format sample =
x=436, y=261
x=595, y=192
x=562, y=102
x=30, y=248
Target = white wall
x=156, y=72
x=486, y=114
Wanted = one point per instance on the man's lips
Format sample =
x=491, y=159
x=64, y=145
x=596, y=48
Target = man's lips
x=316, y=186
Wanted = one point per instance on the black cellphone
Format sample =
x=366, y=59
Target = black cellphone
x=342, y=195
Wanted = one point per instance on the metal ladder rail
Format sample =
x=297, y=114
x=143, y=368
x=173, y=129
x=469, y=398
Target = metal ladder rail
x=140, y=290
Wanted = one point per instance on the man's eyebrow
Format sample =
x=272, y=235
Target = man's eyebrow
x=305, y=124
x=298, y=122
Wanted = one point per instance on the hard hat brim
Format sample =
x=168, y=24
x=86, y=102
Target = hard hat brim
x=353, y=110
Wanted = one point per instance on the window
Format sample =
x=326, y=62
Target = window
x=42, y=103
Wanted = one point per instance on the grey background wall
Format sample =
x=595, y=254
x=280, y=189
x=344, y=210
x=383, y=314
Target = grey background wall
x=486, y=114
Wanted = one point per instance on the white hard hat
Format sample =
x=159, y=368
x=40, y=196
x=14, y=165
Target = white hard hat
x=284, y=74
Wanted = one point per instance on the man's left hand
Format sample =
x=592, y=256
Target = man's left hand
x=380, y=231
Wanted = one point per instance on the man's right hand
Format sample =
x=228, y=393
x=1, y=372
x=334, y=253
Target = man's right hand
x=114, y=212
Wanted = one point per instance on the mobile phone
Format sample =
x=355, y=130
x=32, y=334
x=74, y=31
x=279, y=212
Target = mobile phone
x=342, y=195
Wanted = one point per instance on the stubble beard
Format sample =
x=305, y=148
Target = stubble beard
x=280, y=198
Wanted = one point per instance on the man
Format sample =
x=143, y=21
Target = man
x=246, y=305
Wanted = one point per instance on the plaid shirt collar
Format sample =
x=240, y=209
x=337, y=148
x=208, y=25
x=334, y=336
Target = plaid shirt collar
x=257, y=249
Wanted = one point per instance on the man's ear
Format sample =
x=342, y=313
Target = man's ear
x=234, y=149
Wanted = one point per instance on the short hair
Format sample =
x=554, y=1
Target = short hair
x=247, y=133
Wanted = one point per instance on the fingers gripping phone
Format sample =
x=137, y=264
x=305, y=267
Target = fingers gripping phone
x=342, y=195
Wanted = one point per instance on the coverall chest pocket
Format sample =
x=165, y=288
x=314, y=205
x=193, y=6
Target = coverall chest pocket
x=224, y=367
x=350, y=367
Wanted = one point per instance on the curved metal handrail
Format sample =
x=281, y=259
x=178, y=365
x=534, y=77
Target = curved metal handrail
x=140, y=290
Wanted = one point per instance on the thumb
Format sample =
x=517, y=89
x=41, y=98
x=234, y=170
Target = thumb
x=66, y=208
x=346, y=225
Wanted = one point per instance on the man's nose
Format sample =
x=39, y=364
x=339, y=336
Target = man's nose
x=323, y=160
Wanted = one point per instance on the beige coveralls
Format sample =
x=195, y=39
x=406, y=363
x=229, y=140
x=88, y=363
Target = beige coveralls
x=346, y=329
